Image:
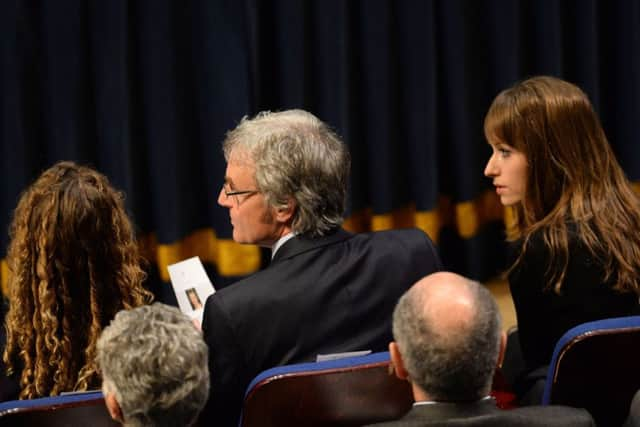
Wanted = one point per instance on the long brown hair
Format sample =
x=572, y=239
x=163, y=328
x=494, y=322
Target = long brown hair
x=572, y=178
x=73, y=263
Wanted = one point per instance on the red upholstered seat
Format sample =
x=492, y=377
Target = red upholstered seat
x=595, y=366
x=345, y=392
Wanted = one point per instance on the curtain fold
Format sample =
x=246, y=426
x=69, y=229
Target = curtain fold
x=145, y=90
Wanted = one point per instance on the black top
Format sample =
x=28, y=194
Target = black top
x=544, y=316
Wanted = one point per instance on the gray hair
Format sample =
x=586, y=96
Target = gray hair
x=296, y=156
x=155, y=362
x=449, y=365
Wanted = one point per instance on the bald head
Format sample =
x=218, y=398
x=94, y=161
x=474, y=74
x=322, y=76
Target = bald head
x=447, y=328
x=448, y=302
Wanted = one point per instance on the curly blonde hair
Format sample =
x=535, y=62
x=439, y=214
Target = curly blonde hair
x=73, y=264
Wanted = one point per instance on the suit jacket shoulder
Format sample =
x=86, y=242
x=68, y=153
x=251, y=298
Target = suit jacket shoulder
x=633, y=420
x=486, y=414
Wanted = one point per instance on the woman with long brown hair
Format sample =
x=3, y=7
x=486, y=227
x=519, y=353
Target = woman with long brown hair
x=577, y=219
x=73, y=263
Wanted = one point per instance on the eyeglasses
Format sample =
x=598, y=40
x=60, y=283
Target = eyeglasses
x=237, y=193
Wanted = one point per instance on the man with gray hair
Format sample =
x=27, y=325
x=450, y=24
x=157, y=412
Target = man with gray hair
x=448, y=342
x=325, y=290
x=154, y=367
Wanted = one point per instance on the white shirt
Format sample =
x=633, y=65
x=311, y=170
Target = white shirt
x=281, y=241
x=433, y=402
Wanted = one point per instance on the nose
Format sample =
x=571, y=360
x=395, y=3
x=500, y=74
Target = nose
x=491, y=169
x=223, y=200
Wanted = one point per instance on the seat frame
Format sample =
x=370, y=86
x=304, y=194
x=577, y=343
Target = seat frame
x=594, y=366
x=74, y=409
x=349, y=391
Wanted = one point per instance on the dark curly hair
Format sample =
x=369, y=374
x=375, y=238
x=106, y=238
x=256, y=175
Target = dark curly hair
x=73, y=264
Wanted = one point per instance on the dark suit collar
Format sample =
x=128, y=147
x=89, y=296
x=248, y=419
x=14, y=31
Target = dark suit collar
x=446, y=410
x=300, y=244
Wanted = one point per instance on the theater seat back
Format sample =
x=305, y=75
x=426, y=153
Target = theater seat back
x=345, y=392
x=74, y=410
x=595, y=366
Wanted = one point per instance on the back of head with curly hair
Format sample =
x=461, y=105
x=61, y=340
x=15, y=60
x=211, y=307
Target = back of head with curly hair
x=73, y=263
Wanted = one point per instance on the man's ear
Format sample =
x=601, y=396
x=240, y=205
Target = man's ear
x=283, y=214
x=503, y=348
x=397, y=362
x=113, y=407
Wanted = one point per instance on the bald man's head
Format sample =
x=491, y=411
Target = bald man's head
x=448, y=330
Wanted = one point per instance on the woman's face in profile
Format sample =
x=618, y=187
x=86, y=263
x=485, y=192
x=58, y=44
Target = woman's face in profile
x=508, y=169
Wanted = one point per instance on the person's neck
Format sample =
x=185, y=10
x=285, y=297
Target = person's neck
x=281, y=241
x=281, y=231
x=419, y=395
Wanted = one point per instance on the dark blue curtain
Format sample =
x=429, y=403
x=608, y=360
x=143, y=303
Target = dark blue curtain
x=145, y=90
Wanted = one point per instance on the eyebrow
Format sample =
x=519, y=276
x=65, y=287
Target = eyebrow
x=500, y=143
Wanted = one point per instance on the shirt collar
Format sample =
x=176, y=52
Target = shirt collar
x=281, y=241
x=433, y=402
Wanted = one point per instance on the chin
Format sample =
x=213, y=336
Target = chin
x=243, y=240
x=509, y=201
x=237, y=238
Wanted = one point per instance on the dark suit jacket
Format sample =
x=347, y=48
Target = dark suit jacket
x=326, y=295
x=634, y=412
x=485, y=414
